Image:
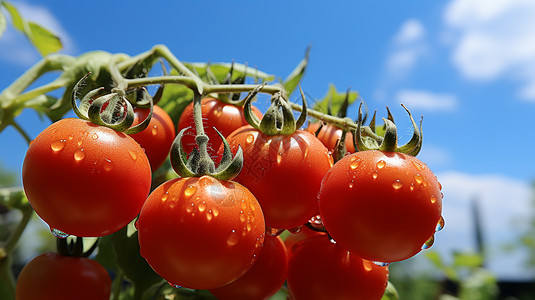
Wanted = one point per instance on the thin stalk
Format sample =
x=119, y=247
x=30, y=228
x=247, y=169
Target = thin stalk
x=117, y=285
x=13, y=239
x=22, y=132
x=206, y=164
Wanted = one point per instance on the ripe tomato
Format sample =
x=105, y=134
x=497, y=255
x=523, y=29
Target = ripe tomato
x=320, y=269
x=383, y=206
x=264, y=279
x=284, y=172
x=201, y=232
x=157, y=138
x=225, y=117
x=84, y=179
x=51, y=276
x=330, y=134
x=293, y=240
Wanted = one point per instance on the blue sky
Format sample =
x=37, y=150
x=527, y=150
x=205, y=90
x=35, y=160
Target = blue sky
x=467, y=66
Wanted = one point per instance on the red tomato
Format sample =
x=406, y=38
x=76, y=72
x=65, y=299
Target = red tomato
x=225, y=117
x=383, y=206
x=201, y=232
x=84, y=179
x=284, y=172
x=51, y=276
x=157, y=138
x=293, y=240
x=329, y=135
x=264, y=279
x=320, y=269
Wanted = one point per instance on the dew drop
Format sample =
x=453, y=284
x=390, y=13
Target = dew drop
x=243, y=204
x=375, y=175
x=202, y=206
x=411, y=187
x=440, y=224
x=397, y=184
x=419, y=179
x=433, y=199
x=136, y=224
x=80, y=142
x=94, y=136
x=316, y=220
x=381, y=164
x=215, y=210
x=233, y=238
x=429, y=243
x=354, y=163
x=249, y=139
x=332, y=241
x=154, y=130
x=189, y=208
x=209, y=215
x=351, y=185
x=108, y=165
x=132, y=154
x=440, y=186
x=58, y=233
x=279, y=157
x=243, y=218
x=165, y=196
x=249, y=227
x=381, y=264
x=176, y=286
x=57, y=145
x=368, y=265
x=70, y=137
x=417, y=166
x=79, y=154
x=190, y=190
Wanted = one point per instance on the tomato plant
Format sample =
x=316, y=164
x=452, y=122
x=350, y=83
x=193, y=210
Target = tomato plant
x=265, y=277
x=223, y=116
x=84, y=179
x=321, y=269
x=383, y=206
x=284, y=172
x=52, y=276
x=201, y=232
x=157, y=138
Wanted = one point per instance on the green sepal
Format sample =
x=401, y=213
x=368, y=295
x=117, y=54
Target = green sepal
x=229, y=167
x=108, y=116
x=178, y=160
x=143, y=124
x=248, y=114
x=292, y=81
x=303, y=116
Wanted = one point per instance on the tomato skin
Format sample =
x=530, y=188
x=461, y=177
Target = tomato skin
x=157, y=138
x=51, y=276
x=293, y=240
x=264, y=279
x=284, y=172
x=320, y=269
x=225, y=117
x=84, y=179
x=201, y=232
x=330, y=134
x=383, y=206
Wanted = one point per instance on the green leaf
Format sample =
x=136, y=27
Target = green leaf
x=175, y=98
x=290, y=83
x=337, y=99
x=390, y=293
x=43, y=40
x=220, y=70
x=3, y=23
x=435, y=258
x=16, y=19
x=480, y=285
x=467, y=260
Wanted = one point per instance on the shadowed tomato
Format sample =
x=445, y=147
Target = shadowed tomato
x=329, y=136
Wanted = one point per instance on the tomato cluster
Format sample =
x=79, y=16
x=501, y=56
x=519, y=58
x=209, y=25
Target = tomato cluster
x=369, y=209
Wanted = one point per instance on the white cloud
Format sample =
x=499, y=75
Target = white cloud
x=427, y=100
x=502, y=201
x=408, y=47
x=493, y=38
x=15, y=48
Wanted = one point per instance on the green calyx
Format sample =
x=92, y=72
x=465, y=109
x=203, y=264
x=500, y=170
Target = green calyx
x=389, y=141
x=68, y=247
x=279, y=118
x=114, y=110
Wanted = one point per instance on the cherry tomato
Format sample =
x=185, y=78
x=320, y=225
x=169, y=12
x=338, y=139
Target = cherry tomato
x=329, y=136
x=85, y=180
x=51, y=276
x=293, y=240
x=284, y=172
x=264, y=279
x=157, y=138
x=320, y=269
x=225, y=117
x=383, y=206
x=201, y=232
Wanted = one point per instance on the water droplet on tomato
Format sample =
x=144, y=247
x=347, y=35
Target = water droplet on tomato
x=433, y=199
x=176, y=286
x=243, y=204
x=351, y=184
x=332, y=241
x=189, y=208
x=202, y=206
x=190, y=190
x=417, y=166
x=215, y=210
x=412, y=187
x=233, y=238
x=397, y=184
x=381, y=164
x=375, y=175
x=249, y=139
x=165, y=196
x=58, y=233
x=296, y=229
x=57, y=145
x=154, y=130
x=243, y=218
x=136, y=224
x=132, y=154
x=429, y=243
x=279, y=157
x=354, y=163
x=107, y=165
x=439, y=185
x=70, y=137
x=381, y=264
x=419, y=179
x=368, y=265
x=440, y=224
x=249, y=227
x=79, y=154
x=316, y=220
x=209, y=215
x=94, y=136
